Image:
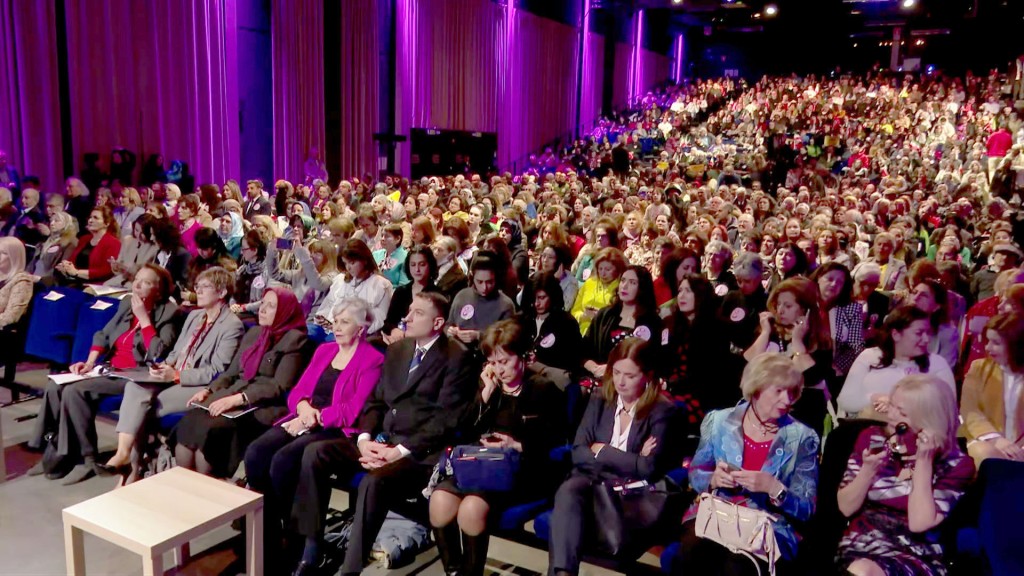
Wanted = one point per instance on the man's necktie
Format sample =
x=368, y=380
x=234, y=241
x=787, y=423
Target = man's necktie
x=417, y=358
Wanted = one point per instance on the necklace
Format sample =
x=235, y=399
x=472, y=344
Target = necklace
x=765, y=428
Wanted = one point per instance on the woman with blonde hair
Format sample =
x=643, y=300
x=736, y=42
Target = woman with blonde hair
x=131, y=207
x=232, y=191
x=902, y=480
x=57, y=247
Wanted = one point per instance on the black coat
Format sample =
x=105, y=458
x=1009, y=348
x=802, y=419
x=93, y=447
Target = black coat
x=453, y=281
x=279, y=370
x=597, y=426
x=558, y=342
x=421, y=410
x=598, y=343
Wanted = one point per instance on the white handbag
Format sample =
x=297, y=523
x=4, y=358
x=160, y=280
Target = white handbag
x=741, y=529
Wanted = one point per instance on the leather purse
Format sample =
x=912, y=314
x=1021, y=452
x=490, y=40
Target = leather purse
x=482, y=469
x=624, y=511
x=740, y=529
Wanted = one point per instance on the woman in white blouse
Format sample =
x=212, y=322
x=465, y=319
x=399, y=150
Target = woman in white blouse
x=903, y=351
x=363, y=280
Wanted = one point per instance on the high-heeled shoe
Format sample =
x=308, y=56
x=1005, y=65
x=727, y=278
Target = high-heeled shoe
x=122, y=470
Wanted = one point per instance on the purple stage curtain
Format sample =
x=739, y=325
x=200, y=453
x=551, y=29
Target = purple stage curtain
x=360, y=89
x=297, y=35
x=593, y=81
x=621, y=75
x=158, y=78
x=449, y=53
x=539, y=97
x=30, y=130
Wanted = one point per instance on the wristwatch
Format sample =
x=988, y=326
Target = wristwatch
x=779, y=497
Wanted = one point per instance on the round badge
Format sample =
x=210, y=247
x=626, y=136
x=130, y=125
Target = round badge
x=586, y=274
x=53, y=249
x=664, y=337
x=737, y=314
x=547, y=341
x=258, y=282
x=467, y=312
x=773, y=348
x=721, y=289
x=642, y=332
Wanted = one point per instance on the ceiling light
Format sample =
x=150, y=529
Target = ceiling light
x=677, y=2
x=771, y=10
x=907, y=4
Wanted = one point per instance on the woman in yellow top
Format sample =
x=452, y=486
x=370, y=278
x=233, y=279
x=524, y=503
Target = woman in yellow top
x=599, y=289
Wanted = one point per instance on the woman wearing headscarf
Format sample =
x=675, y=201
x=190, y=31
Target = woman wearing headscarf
x=231, y=230
x=267, y=364
x=512, y=233
x=57, y=247
x=15, y=283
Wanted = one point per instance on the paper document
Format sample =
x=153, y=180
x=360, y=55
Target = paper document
x=61, y=379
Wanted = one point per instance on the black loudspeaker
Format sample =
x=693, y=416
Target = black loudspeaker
x=449, y=152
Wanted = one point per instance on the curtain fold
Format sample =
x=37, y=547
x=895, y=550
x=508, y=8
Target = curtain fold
x=30, y=124
x=297, y=36
x=157, y=80
x=360, y=93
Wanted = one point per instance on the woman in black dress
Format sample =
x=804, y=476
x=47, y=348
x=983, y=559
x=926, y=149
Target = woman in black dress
x=553, y=333
x=421, y=267
x=266, y=366
x=515, y=408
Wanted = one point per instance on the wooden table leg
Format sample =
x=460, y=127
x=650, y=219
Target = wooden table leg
x=182, y=555
x=74, y=550
x=254, y=542
x=154, y=565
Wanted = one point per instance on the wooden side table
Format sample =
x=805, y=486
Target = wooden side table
x=162, y=513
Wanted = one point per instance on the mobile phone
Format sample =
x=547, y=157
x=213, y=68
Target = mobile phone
x=732, y=467
x=284, y=244
x=877, y=446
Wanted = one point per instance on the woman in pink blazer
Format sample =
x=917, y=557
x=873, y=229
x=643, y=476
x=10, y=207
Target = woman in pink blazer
x=324, y=405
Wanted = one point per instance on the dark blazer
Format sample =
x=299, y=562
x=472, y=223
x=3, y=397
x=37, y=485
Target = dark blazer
x=278, y=372
x=164, y=321
x=453, y=281
x=597, y=344
x=597, y=426
x=421, y=411
x=558, y=342
x=874, y=317
x=262, y=206
x=22, y=226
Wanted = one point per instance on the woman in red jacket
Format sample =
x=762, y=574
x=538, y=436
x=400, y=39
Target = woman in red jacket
x=90, y=261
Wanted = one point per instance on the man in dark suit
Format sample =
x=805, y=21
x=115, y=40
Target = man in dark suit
x=255, y=201
x=29, y=223
x=427, y=382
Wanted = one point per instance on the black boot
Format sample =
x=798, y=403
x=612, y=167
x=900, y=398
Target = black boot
x=474, y=550
x=449, y=547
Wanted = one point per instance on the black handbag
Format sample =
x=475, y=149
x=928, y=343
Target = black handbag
x=624, y=512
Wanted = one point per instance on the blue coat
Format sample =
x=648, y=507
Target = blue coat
x=792, y=458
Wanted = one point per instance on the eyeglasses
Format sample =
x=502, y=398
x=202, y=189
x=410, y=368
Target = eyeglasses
x=205, y=286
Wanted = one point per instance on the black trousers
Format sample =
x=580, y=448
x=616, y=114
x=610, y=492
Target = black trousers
x=571, y=519
x=273, y=463
x=378, y=492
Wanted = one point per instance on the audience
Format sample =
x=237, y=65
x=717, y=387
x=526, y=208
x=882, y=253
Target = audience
x=856, y=224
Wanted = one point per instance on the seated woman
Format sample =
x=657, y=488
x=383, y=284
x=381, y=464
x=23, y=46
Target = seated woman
x=90, y=261
x=142, y=329
x=210, y=253
x=230, y=229
x=57, y=247
x=208, y=342
x=553, y=332
x=626, y=433
x=903, y=350
x=451, y=278
x=698, y=352
x=362, y=279
x=253, y=276
x=421, y=267
x=845, y=319
x=267, y=364
x=482, y=303
x=759, y=456
x=136, y=249
x=555, y=258
x=898, y=488
x=932, y=298
x=599, y=289
x=994, y=429
x=15, y=283
x=515, y=408
x=718, y=261
x=795, y=327
x=324, y=405
x=633, y=312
